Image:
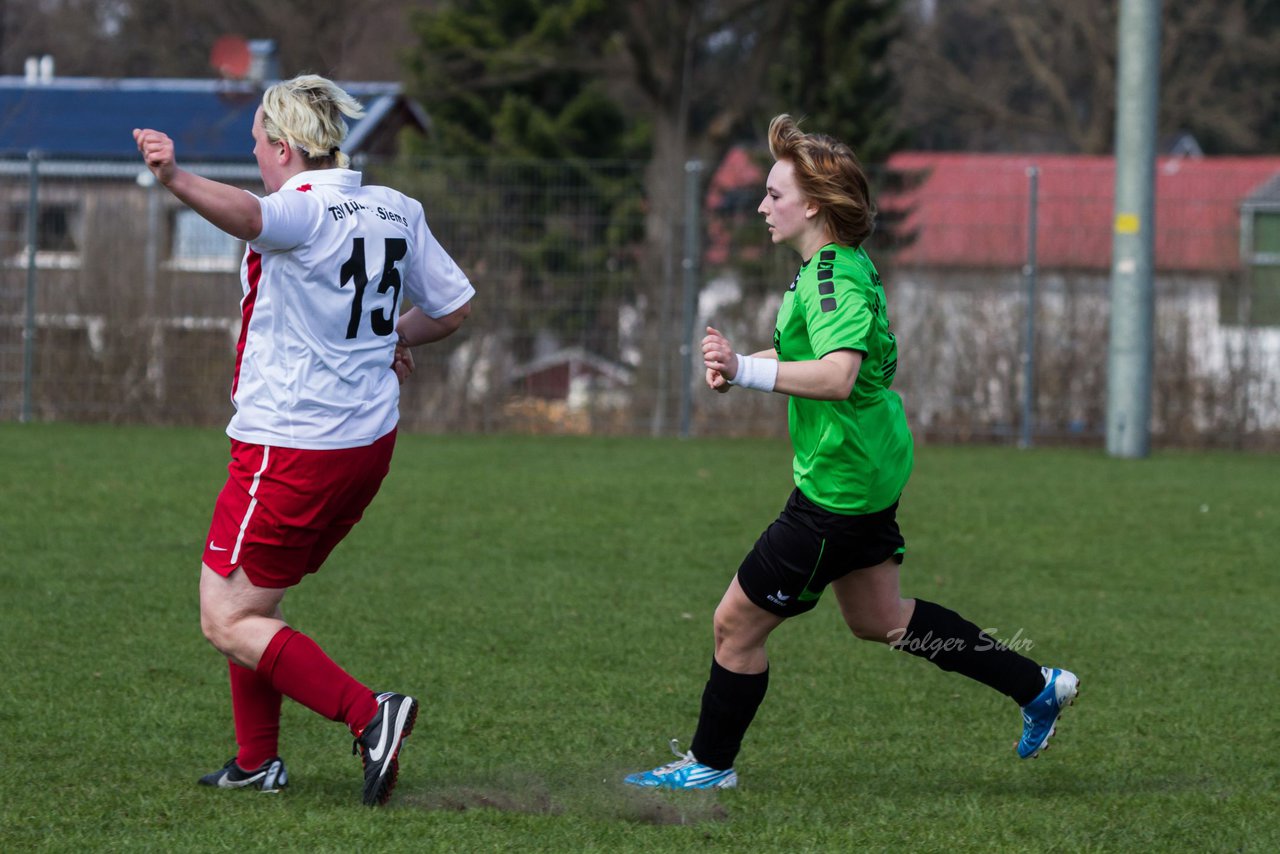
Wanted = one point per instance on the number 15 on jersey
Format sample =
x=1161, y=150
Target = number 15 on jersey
x=355, y=270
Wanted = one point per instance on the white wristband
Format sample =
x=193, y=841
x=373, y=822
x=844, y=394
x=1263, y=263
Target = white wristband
x=758, y=373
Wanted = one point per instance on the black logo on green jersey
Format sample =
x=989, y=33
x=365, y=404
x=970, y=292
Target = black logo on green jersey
x=826, y=275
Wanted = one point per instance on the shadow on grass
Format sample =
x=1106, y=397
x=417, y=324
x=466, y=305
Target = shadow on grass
x=601, y=797
x=532, y=800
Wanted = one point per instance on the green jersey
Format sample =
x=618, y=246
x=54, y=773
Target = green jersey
x=852, y=456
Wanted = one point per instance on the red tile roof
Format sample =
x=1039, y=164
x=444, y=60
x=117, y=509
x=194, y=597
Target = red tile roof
x=971, y=210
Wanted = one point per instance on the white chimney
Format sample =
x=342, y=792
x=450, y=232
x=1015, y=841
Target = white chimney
x=263, y=63
x=31, y=70
x=46, y=69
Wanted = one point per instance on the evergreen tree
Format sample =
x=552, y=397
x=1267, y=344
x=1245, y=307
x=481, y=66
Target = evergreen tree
x=522, y=78
x=666, y=81
x=539, y=158
x=835, y=73
x=836, y=76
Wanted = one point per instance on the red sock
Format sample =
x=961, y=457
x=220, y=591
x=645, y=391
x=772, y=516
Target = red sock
x=255, y=705
x=299, y=669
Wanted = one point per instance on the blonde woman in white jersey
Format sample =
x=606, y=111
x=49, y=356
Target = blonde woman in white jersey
x=327, y=266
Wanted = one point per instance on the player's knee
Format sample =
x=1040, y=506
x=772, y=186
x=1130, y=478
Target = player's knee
x=881, y=622
x=725, y=626
x=217, y=631
x=866, y=633
x=719, y=633
x=211, y=632
x=871, y=627
x=737, y=633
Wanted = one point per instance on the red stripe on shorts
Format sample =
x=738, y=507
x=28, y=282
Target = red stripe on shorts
x=253, y=502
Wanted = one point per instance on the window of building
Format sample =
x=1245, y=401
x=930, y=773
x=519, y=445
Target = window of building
x=57, y=234
x=1253, y=299
x=200, y=245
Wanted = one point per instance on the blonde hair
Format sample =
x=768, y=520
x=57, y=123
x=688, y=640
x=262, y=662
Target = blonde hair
x=829, y=174
x=306, y=112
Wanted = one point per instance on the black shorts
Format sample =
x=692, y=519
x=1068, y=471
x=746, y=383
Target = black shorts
x=808, y=547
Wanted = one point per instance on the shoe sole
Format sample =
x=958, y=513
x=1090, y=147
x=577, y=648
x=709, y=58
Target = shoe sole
x=382, y=792
x=1044, y=745
x=733, y=785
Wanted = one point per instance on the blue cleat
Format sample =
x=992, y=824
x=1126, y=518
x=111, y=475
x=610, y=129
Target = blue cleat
x=1041, y=714
x=685, y=773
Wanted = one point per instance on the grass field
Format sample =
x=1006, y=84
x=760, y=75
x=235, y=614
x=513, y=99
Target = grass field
x=550, y=600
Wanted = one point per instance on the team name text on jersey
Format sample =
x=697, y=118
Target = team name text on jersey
x=350, y=208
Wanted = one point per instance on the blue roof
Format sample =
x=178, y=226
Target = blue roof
x=209, y=120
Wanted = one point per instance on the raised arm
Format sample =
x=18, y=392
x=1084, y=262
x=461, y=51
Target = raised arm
x=235, y=211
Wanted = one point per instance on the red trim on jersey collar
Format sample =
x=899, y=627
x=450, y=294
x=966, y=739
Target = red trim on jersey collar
x=312, y=178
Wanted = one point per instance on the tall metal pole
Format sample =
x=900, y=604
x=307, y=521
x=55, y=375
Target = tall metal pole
x=29, y=320
x=692, y=251
x=1029, y=273
x=1129, y=353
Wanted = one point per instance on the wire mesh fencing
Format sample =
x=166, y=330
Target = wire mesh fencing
x=117, y=304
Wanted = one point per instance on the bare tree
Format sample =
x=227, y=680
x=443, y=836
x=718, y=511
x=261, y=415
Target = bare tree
x=1220, y=69
x=345, y=39
x=1018, y=75
x=699, y=67
x=76, y=33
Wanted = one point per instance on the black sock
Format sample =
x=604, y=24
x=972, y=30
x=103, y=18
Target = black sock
x=953, y=643
x=729, y=702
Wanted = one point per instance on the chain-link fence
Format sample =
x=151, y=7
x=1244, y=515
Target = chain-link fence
x=119, y=305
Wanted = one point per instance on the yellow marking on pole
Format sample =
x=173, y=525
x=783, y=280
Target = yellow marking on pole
x=1127, y=223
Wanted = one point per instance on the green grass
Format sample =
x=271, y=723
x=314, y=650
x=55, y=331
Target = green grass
x=550, y=598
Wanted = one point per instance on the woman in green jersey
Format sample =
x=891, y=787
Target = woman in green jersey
x=834, y=356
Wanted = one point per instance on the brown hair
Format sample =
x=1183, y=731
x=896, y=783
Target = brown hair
x=829, y=174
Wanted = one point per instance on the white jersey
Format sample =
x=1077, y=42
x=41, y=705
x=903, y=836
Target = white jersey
x=323, y=286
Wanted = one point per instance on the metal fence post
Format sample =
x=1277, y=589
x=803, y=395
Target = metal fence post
x=29, y=318
x=692, y=249
x=1029, y=273
x=151, y=260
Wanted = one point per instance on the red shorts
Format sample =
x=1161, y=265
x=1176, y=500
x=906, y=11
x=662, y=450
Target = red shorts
x=282, y=510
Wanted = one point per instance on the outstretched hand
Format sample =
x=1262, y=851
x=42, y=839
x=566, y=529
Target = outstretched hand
x=157, y=152
x=719, y=359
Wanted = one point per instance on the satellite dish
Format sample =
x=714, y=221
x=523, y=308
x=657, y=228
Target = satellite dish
x=230, y=57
